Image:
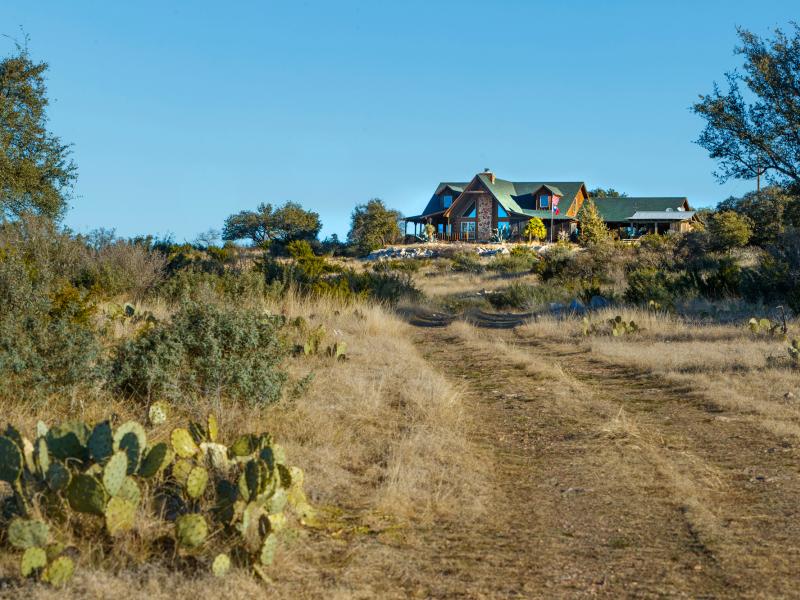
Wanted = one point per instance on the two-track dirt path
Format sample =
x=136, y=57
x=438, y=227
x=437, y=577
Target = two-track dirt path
x=608, y=482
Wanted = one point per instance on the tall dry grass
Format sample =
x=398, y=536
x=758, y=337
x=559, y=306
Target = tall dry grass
x=381, y=437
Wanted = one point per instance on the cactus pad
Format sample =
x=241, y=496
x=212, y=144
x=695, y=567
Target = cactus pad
x=130, y=491
x=33, y=559
x=58, y=476
x=191, y=530
x=277, y=502
x=197, y=432
x=41, y=457
x=216, y=456
x=131, y=437
x=154, y=460
x=86, y=494
x=27, y=533
x=196, y=482
x=221, y=565
x=253, y=526
x=181, y=470
x=120, y=516
x=243, y=445
x=101, y=442
x=212, y=427
x=182, y=443
x=59, y=572
x=115, y=471
x=157, y=413
x=41, y=429
x=68, y=440
x=267, y=554
x=285, y=476
x=10, y=460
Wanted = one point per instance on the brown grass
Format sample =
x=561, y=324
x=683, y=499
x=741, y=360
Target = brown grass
x=381, y=437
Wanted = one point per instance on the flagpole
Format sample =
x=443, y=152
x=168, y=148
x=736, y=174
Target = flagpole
x=551, y=219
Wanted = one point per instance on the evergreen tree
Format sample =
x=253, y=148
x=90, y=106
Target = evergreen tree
x=593, y=229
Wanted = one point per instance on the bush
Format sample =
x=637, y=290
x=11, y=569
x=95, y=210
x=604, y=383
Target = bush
x=467, y=262
x=204, y=351
x=728, y=230
x=646, y=284
x=47, y=340
x=515, y=262
x=555, y=262
x=408, y=265
x=122, y=267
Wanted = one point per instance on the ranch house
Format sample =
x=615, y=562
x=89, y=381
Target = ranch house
x=478, y=210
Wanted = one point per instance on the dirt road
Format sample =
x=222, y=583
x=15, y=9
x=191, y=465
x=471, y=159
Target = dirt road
x=608, y=482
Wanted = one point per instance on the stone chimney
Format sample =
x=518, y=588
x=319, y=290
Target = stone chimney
x=489, y=174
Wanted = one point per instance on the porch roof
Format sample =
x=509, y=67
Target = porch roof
x=662, y=215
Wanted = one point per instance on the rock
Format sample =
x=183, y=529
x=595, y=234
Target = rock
x=577, y=307
x=598, y=302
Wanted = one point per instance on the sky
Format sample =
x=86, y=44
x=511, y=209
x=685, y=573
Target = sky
x=182, y=113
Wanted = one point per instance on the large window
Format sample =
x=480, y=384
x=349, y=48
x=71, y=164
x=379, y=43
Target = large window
x=471, y=213
x=544, y=201
x=447, y=201
x=504, y=227
x=468, y=227
x=501, y=212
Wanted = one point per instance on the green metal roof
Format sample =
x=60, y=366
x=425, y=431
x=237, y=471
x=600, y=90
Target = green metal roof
x=544, y=215
x=518, y=196
x=621, y=209
x=434, y=204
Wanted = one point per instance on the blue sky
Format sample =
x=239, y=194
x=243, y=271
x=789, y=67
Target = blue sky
x=182, y=113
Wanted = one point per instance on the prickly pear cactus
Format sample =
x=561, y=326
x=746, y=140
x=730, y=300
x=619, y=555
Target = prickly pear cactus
x=196, y=482
x=221, y=565
x=28, y=533
x=120, y=516
x=86, y=494
x=115, y=471
x=10, y=460
x=191, y=530
x=182, y=443
x=158, y=413
x=247, y=494
x=101, y=442
x=59, y=572
x=33, y=559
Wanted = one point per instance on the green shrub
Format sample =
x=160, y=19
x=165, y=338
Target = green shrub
x=204, y=351
x=467, y=262
x=555, y=262
x=515, y=262
x=407, y=265
x=646, y=284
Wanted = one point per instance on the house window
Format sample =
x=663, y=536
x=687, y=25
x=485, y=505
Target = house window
x=504, y=227
x=501, y=212
x=468, y=227
x=447, y=201
x=441, y=227
x=544, y=201
x=471, y=213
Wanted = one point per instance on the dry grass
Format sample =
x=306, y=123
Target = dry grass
x=381, y=437
x=734, y=369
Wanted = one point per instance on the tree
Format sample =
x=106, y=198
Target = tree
x=728, y=230
x=755, y=138
x=373, y=226
x=535, y=230
x=592, y=228
x=606, y=193
x=36, y=172
x=265, y=224
x=769, y=210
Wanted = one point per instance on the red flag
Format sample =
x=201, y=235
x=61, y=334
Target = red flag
x=555, y=204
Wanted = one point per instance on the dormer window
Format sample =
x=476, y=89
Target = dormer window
x=501, y=212
x=447, y=201
x=544, y=201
